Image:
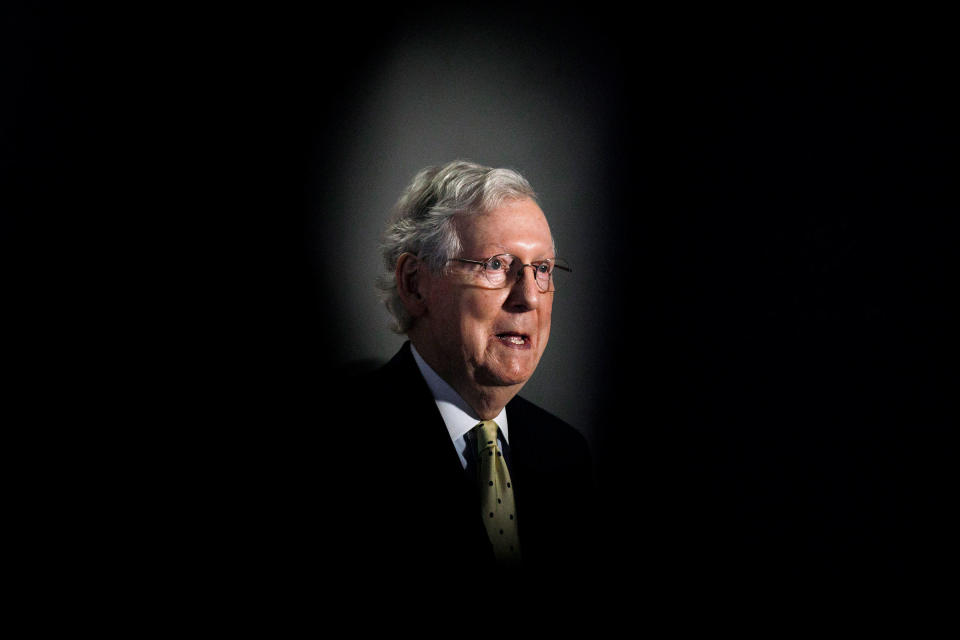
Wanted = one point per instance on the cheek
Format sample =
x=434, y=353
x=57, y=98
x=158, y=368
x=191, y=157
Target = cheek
x=546, y=313
x=482, y=307
x=474, y=321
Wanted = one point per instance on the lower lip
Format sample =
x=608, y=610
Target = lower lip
x=507, y=342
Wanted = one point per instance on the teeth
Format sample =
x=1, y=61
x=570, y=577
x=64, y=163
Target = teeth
x=515, y=339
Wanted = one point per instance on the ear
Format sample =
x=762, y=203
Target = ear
x=411, y=279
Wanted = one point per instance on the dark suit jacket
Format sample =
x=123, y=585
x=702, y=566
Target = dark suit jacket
x=413, y=507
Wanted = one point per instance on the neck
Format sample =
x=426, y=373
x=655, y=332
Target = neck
x=487, y=401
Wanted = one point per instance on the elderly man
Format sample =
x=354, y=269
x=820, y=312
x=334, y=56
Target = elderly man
x=461, y=471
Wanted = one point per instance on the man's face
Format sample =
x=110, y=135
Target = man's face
x=484, y=337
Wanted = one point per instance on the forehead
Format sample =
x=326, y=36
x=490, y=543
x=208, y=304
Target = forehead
x=516, y=225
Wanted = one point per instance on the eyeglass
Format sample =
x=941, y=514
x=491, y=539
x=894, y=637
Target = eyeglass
x=499, y=268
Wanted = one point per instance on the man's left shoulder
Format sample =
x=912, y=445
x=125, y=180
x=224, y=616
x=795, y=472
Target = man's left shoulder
x=531, y=422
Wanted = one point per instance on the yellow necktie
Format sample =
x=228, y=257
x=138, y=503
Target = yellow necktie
x=496, y=496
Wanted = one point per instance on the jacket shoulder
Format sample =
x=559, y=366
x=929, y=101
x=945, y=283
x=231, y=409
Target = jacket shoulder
x=553, y=438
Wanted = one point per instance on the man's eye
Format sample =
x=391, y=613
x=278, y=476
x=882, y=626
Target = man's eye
x=543, y=268
x=495, y=263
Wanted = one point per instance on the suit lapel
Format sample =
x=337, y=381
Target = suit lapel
x=426, y=424
x=450, y=498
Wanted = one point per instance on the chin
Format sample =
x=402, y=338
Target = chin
x=504, y=378
x=499, y=369
x=503, y=383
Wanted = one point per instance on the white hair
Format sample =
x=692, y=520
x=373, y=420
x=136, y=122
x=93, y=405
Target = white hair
x=422, y=222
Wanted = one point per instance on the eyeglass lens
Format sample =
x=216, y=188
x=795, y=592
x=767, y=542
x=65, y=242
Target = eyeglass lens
x=499, y=268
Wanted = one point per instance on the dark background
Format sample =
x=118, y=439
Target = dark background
x=769, y=339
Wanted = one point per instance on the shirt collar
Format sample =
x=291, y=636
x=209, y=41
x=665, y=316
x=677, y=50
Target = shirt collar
x=457, y=414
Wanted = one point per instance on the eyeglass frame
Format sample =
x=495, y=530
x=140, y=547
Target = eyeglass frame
x=554, y=261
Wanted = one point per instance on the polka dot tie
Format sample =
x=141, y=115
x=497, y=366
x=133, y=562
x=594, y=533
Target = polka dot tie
x=496, y=496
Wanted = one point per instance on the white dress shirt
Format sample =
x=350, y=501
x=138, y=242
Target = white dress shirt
x=456, y=413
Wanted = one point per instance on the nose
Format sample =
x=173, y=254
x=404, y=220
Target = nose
x=524, y=292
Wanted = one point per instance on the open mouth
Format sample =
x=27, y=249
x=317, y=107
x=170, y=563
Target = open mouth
x=514, y=340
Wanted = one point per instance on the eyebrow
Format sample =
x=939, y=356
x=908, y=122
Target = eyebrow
x=507, y=253
x=504, y=249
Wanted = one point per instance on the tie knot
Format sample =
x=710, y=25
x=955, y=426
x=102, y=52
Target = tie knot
x=488, y=434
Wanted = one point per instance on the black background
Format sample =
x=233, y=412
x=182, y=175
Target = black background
x=777, y=309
